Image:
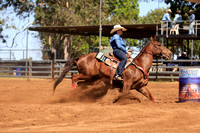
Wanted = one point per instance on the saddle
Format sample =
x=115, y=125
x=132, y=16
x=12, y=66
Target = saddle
x=111, y=60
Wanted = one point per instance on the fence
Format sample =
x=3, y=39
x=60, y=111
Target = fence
x=53, y=68
x=184, y=29
x=33, y=68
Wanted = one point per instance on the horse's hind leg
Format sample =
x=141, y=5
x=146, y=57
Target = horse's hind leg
x=76, y=78
x=147, y=94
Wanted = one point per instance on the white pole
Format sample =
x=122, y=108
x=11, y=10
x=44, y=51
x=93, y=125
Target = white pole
x=100, y=28
x=27, y=55
x=27, y=45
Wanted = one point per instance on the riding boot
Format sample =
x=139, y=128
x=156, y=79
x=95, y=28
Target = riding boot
x=118, y=77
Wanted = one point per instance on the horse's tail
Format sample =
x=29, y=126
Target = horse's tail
x=68, y=65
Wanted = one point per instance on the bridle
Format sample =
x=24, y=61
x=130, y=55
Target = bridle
x=161, y=54
x=146, y=74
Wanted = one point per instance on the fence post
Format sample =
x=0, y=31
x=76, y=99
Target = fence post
x=162, y=27
x=167, y=30
x=196, y=27
x=30, y=69
x=156, y=28
x=26, y=68
x=53, y=68
x=156, y=69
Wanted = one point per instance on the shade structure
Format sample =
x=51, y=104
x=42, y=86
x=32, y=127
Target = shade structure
x=136, y=31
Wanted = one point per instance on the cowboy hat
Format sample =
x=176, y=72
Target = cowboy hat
x=169, y=10
x=191, y=11
x=116, y=28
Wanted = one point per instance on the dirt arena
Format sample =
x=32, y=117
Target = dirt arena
x=30, y=106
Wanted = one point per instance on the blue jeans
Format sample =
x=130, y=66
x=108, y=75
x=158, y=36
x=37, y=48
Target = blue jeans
x=119, y=54
x=169, y=24
x=191, y=28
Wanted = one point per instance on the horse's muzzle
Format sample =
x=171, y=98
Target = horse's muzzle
x=167, y=57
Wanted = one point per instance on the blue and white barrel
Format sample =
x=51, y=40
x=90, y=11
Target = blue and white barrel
x=189, y=84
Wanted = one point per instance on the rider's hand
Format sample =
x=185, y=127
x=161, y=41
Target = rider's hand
x=128, y=56
x=130, y=50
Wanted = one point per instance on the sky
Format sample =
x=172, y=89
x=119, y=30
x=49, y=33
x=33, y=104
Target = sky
x=146, y=7
x=33, y=43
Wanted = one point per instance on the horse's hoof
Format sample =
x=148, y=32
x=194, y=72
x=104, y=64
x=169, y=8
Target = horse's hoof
x=74, y=86
x=155, y=101
x=116, y=100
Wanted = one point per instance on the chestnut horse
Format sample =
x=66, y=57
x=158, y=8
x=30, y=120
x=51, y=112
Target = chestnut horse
x=135, y=76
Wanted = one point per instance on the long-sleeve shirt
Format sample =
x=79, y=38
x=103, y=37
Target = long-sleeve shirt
x=166, y=17
x=178, y=18
x=117, y=43
x=192, y=18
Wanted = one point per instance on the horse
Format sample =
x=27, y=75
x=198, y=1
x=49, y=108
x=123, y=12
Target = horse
x=135, y=76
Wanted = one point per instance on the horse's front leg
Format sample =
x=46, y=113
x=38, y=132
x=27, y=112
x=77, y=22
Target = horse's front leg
x=147, y=94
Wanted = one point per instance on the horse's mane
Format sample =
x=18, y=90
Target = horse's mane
x=142, y=50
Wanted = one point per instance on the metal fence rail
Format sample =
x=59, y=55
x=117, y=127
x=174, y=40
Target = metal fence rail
x=185, y=23
x=53, y=68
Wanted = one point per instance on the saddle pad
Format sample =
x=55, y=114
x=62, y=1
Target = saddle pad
x=100, y=56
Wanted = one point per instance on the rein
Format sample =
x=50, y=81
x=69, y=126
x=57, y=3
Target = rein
x=157, y=48
x=146, y=75
x=147, y=52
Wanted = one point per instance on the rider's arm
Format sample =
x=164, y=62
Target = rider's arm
x=168, y=17
x=176, y=17
x=120, y=43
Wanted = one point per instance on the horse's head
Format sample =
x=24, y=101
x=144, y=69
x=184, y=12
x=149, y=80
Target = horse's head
x=160, y=50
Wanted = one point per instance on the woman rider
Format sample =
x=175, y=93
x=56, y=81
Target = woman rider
x=119, y=49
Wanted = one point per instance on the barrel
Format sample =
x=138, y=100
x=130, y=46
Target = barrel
x=189, y=84
x=18, y=71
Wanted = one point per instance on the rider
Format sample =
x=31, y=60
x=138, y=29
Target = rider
x=119, y=49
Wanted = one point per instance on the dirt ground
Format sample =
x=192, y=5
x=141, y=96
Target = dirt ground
x=30, y=106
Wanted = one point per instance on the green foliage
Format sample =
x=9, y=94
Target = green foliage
x=123, y=11
x=196, y=48
x=22, y=8
x=74, y=12
x=153, y=16
x=4, y=24
x=184, y=6
x=78, y=12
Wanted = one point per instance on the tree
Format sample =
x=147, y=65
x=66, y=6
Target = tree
x=22, y=8
x=185, y=6
x=152, y=17
x=123, y=11
x=3, y=25
x=73, y=12
x=1, y=29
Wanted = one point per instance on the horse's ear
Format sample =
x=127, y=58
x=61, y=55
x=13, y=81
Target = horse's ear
x=154, y=38
x=151, y=39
